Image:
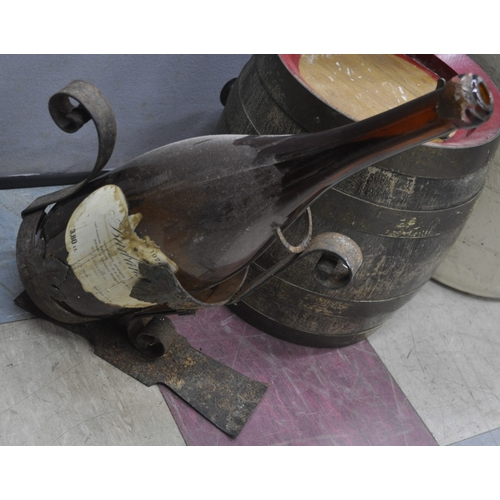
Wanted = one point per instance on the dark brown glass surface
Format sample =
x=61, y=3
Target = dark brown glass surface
x=213, y=204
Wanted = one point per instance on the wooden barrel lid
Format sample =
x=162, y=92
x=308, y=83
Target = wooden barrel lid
x=358, y=86
x=363, y=85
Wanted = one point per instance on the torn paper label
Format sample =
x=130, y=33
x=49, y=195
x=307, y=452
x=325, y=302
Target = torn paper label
x=104, y=251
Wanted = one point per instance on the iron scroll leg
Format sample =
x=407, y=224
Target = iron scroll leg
x=222, y=395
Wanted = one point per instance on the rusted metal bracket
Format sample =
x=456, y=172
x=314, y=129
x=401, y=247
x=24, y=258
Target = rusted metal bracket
x=222, y=395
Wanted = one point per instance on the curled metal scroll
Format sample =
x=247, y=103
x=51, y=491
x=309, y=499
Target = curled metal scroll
x=343, y=255
x=69, y=118
x=339, y=261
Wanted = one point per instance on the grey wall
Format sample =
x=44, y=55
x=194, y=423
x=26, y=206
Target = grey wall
x=156, y=99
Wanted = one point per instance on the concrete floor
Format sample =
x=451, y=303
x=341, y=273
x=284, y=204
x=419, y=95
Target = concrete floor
x=441, y=349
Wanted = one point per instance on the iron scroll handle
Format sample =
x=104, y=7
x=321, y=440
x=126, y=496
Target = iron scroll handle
x=341, y=251
x=91, y=106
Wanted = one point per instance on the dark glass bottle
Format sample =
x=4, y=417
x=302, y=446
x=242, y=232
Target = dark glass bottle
x=207, y=207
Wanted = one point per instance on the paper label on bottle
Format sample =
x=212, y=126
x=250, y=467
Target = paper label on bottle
x=104, y=251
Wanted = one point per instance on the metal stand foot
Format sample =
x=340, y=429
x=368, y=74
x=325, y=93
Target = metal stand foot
x=154, y=353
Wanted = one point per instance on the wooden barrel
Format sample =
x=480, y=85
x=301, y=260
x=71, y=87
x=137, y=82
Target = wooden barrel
x=404, y=212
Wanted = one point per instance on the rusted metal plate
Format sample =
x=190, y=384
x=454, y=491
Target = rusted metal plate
x=225, y=397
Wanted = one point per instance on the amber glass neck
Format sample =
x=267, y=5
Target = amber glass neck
x=328, y=157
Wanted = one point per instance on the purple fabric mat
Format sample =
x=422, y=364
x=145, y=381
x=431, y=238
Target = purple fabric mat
x=316, y=396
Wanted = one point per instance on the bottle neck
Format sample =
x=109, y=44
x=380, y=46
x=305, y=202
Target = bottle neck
x=319, y=160
x=335, y=154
